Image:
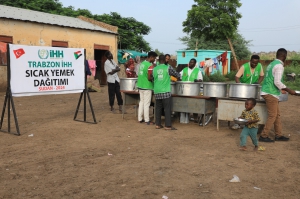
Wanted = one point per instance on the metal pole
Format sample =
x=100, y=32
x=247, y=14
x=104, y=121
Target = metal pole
x=78, y=105
x=91, y=106
x=124, y=103
x=15, y=114
x=84, y=105
x=85, y=89
x=8, y=112
x=8, y=93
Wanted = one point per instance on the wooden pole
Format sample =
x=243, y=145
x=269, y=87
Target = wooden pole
x=233, y=53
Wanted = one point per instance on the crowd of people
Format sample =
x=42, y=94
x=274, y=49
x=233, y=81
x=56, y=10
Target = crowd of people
x=156, y=78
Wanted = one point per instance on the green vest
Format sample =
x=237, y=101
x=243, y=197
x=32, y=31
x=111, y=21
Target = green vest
x=143, y=81
x=193, y=75
x=268, y=84
x=162, y=81
x=248, y=77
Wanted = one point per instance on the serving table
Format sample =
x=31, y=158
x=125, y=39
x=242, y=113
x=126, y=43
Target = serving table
x=186, y=104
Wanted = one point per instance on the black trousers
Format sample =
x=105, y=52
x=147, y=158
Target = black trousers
x=159, y=105
x=114, y=90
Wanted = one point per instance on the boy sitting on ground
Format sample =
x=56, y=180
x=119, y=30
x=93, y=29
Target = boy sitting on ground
x=251, y=126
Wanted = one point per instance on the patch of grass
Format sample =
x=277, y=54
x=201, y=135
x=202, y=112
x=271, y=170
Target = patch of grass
x=293, y=68
x=295, y=85
x=217, y=77
x=206, y=78
x=231, y=75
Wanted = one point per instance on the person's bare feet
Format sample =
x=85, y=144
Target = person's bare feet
x=255, y=148
x=243, y=148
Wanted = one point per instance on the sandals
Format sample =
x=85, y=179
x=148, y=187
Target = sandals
x=159, y=127
x=243, y=148
x=170, y=128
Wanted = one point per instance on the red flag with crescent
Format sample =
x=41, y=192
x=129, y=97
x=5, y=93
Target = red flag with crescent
x=19, y=52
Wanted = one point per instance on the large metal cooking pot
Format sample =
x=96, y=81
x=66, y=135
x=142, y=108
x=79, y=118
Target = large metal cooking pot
x=128, y=84
x=240, y=90
x=214, y=89
x=282, y=97
x=187, y=88
x=173, y=88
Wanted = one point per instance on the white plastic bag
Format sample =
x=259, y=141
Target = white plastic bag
x=235, y=179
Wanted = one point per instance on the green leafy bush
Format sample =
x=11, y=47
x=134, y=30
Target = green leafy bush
x=217, y=77
x=293, y=68
x=206, y=78
x=231, y=75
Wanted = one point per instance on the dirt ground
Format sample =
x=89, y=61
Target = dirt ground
x=70, y=159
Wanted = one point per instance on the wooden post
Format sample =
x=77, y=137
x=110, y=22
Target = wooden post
x=233, y=53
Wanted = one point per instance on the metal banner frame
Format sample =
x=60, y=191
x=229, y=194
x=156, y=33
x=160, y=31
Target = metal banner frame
x=9, y=102
x=85, y=93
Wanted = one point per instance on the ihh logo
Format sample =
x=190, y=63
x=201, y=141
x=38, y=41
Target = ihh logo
x=56, y=54
x=43, y=54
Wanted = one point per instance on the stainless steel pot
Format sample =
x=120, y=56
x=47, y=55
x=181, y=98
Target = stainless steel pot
x=240, y=90
x=128, y=84
x=214, y=89
x=282, y=97
x=173, y=88
x=187, y=88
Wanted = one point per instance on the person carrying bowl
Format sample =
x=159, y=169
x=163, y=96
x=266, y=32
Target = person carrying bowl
x=251, y=127
x=271, y=89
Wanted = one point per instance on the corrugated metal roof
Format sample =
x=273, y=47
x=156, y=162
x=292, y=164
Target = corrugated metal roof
x=45, y=18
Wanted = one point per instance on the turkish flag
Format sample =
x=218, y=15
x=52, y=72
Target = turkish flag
x=19, y=52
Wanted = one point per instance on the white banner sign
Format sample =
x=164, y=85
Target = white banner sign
x=40, y=70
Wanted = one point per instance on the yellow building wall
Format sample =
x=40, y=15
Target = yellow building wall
x=36, y=34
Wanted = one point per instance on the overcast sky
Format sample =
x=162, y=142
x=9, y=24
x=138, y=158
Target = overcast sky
x=270, y=24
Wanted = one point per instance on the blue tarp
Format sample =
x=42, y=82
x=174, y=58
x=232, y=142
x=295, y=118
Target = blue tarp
x=131, y=54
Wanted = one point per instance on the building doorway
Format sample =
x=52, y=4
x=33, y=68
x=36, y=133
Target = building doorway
x=99, y=51
x=100, y=60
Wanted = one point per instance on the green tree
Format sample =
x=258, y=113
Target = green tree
x=130, y=30
x=37, y=5
x=240, y=45
x=214, y=19
x=158, y=52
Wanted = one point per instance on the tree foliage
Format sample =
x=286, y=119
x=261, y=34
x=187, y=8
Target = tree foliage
x=239, y=43
x=158, y=52
x=213, y=19
x=130, y=30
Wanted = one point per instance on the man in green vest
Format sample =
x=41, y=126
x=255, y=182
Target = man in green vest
x=271, y=89
x=250, y=72
x=145, y=89
x=162, y=92
x=190, y=74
